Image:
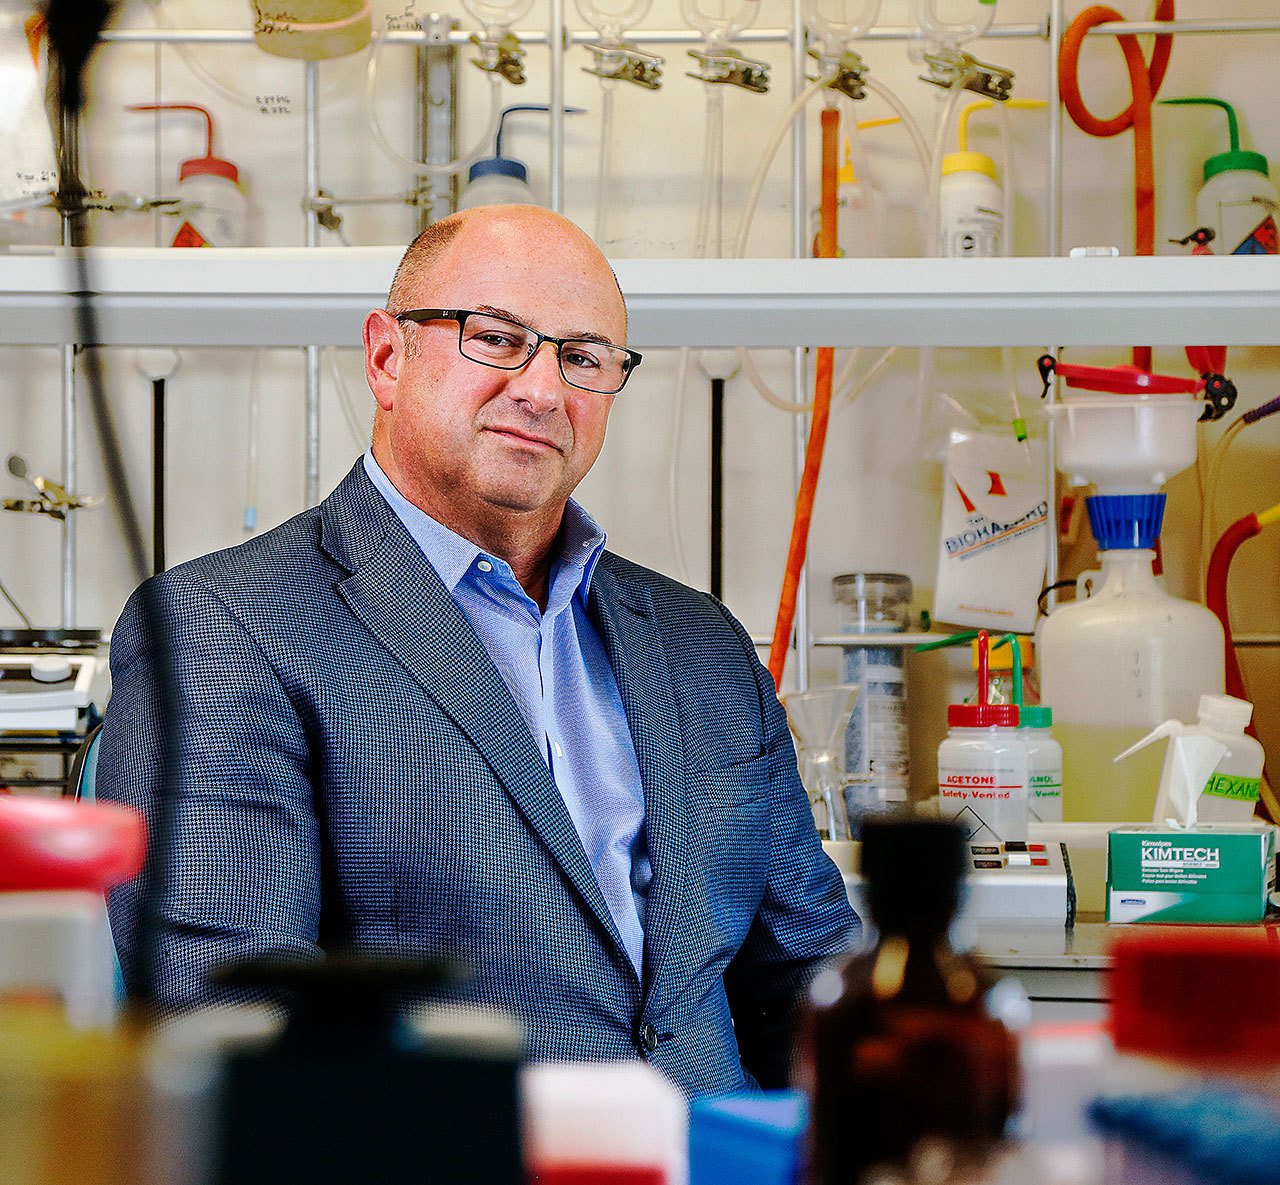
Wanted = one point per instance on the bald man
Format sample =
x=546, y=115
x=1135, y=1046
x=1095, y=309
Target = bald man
x=433, y=716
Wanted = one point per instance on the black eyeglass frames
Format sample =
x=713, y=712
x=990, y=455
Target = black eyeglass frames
x=508, y=345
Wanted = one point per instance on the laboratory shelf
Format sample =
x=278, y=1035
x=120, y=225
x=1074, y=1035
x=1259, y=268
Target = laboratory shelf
x=318, y=296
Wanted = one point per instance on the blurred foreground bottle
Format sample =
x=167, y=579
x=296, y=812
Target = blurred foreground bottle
x=902, y=1051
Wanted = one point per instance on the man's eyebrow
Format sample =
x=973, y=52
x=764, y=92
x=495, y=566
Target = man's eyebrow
x=585, y=335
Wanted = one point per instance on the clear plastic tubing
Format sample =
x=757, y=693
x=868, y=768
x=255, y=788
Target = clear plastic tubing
x=428, y=168
x=953, y=34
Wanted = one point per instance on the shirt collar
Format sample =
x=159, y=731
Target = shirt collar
x=581, y=541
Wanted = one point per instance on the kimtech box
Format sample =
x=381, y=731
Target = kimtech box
x=1220, y=872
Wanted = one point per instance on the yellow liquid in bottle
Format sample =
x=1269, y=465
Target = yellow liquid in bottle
x=1096, y=789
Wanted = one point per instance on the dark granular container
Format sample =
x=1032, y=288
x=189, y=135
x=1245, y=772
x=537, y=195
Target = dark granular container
x=900, y=1044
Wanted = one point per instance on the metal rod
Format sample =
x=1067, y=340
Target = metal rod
x=1053, y=246
x=556, y=100
x=69, y=133
x=157, y=475
x=800, y=424
x=998, y=32
x=717, y=488
x=70, y=480
x=311, y=171
x=438, y=111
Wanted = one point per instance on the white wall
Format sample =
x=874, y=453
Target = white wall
x=878, y=500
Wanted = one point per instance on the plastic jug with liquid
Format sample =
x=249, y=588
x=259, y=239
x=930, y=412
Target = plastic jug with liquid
x=1119, y=662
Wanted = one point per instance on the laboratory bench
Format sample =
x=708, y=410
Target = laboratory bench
x=1064, y=969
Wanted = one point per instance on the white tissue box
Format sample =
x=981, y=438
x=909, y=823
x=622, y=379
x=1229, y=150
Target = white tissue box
x=1218, y=872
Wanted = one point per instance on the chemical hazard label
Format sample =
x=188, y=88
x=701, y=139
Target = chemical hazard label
x=188, y=236
x=1263, y=240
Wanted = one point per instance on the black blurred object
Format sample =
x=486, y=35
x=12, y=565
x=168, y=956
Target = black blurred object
x=1219, y=396
x=51, y=639
x=1202, y=236
x=900, y=1049
x=74, y=26
x=348, y=1093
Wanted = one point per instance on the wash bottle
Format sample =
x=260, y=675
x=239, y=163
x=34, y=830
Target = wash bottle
x=1238, y=202
x=213, y=202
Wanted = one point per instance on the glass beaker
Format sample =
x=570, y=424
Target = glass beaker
x=818, y=721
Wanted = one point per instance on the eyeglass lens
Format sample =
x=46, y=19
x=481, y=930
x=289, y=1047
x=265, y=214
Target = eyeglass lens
x=493, y=341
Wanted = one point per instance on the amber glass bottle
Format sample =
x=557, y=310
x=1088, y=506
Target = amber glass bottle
x=900, y=1044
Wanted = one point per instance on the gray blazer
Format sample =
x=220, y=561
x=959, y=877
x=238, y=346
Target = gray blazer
x=355, y=772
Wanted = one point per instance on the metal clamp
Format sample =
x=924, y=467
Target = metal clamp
x=951, y=67
x=68, y=202
x=502, y=55
x=849, y=69
x=729, y=66
x=621, y=61
x=53, y=500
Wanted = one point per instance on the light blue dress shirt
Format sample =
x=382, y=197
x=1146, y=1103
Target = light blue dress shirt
x=559, y=675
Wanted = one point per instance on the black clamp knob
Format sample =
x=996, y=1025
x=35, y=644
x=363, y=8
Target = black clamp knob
x=1219, y=397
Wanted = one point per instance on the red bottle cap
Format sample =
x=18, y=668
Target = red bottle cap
x=197, y=165
x=1199, y=995
x=982, y=714
x=48, y=843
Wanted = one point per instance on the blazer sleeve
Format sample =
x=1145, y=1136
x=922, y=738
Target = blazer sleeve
x=233, y=866
x=805, y=917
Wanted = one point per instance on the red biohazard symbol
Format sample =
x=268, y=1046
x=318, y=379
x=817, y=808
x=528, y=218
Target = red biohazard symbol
x=997, y=489
x=969, y=507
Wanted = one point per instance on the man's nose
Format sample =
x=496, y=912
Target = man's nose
x=540, y=382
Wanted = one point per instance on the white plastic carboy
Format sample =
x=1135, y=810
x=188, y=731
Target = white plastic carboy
x=983, y=766
x=1117, y=662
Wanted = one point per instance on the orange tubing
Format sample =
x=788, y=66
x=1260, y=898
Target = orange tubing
x=821, y=413
x=1145, y=81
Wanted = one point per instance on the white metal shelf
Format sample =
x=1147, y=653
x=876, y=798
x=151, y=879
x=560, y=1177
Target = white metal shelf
x=318, y=296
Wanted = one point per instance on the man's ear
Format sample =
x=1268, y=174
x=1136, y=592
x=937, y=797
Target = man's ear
x=383, y=352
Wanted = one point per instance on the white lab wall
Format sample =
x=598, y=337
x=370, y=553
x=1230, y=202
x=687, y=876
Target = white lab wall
x=878, y=499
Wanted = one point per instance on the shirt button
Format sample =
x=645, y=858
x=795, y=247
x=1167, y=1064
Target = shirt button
x=648, y=1037
x=556, y=746
x=484, y=565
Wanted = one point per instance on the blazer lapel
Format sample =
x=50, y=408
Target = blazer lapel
x=399, y=597
x=628, y=627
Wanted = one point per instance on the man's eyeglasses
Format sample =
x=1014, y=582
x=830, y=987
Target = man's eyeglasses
x=508, y=345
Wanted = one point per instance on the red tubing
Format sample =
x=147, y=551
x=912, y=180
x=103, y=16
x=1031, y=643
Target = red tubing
x=821, y=414
x=1215, y=595
x=1145, y=81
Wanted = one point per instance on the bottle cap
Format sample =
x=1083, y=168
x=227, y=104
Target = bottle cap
x=1126, y=521
x=1035, y=716
x=913, y=870
x=983, y=715
x=498, y=166
x=1232, y=162
x=968, y=162
x=198, y=166
x=1171, y=997
x=1225, y=713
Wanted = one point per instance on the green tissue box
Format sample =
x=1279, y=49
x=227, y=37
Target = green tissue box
x=1220, y=872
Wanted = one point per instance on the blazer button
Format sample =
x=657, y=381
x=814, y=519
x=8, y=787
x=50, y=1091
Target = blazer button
x=648, y=1037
